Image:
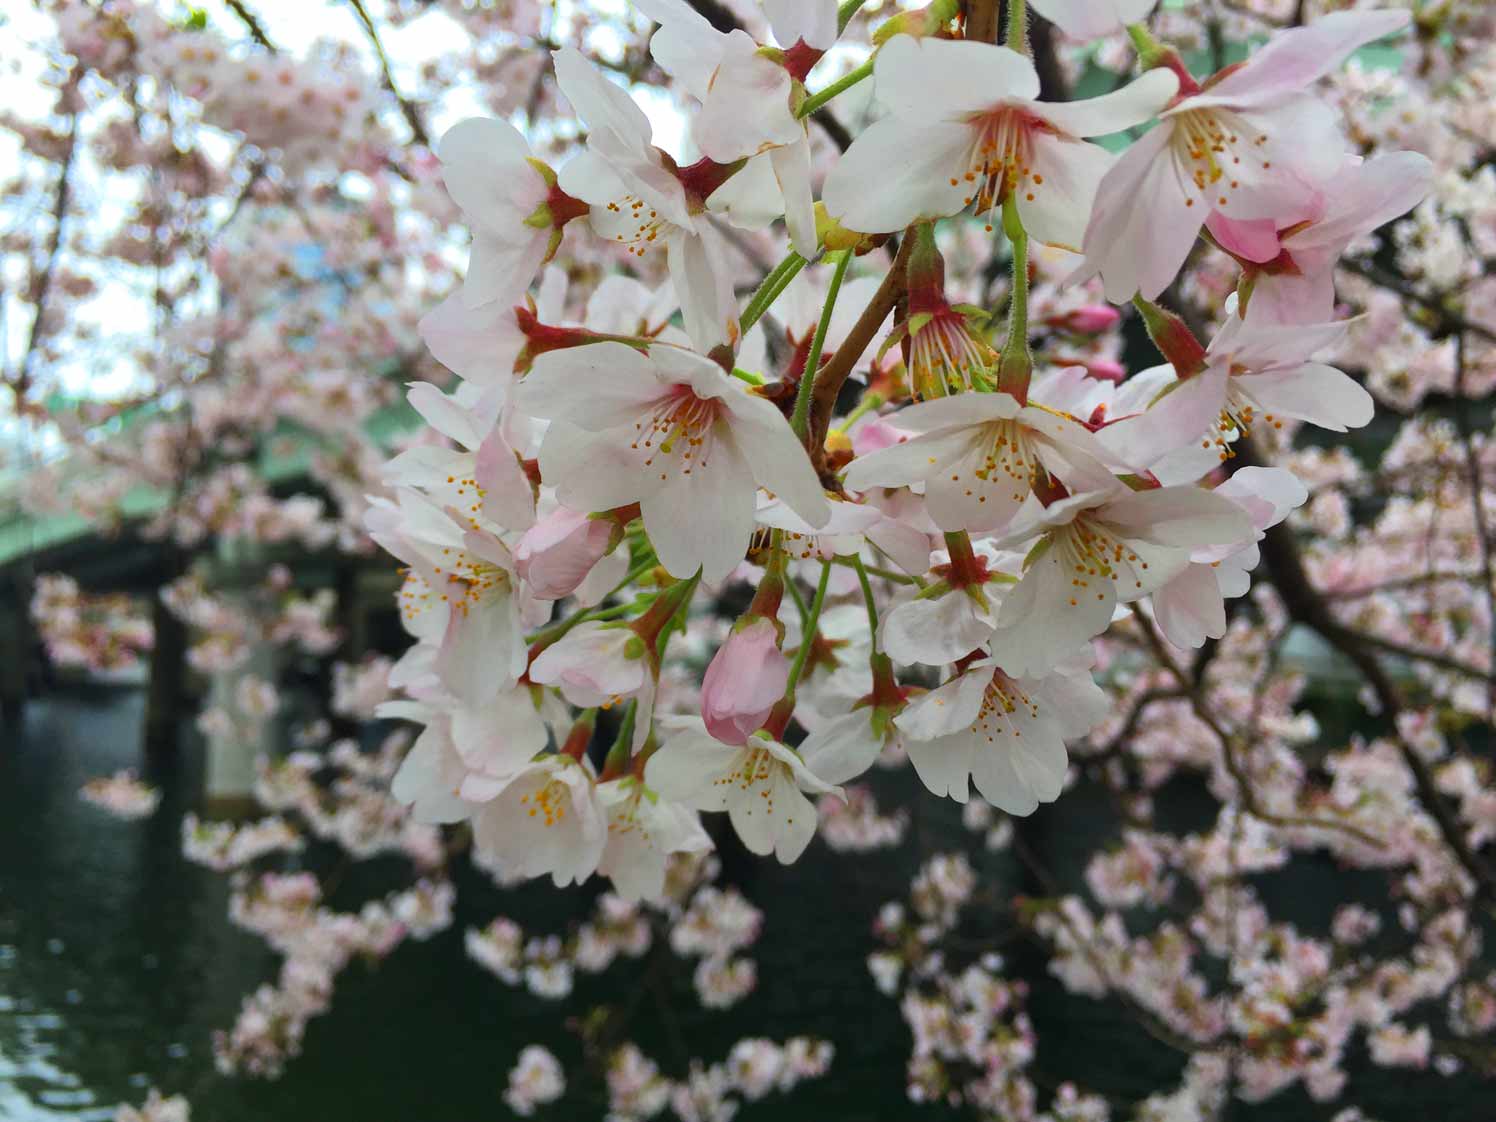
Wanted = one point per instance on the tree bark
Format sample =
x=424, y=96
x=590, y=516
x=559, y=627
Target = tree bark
x=983, y=20
x=166, y=692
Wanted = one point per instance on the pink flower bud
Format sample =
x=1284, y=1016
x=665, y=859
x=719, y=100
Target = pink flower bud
x=875, y=434
x=746, y=677
x=1092, y=319
x=1106, y=370
x=555, y=555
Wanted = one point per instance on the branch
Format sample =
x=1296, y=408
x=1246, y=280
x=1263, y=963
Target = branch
x=412, y=118
x=1478, y=505
x=1249, y=801
x=43, y=285
x=833, y=375
x=1280, y=553
x=982, y=20
x=1448, y=321
x=252, y=24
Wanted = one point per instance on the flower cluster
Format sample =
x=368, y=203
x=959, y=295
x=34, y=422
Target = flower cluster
x=619, y=473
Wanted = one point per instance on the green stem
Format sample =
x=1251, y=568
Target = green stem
x=884, y=574
x=769, y=290
x=800, y=605
x=1018, y=26
x=616, y=762
x=841, y=85
x=844, y=14
x=1017, y=362
x=867, y=598
x=800, y=422
x=870, y=401
x=808, y=633
x=556, y=630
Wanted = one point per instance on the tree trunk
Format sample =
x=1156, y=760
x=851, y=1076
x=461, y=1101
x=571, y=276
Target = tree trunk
x=17, y=647
x=166, y=693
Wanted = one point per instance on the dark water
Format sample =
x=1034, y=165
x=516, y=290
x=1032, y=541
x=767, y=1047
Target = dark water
x=116, y=963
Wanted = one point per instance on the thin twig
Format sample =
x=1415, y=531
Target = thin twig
x=252, y=24
x=412, y=118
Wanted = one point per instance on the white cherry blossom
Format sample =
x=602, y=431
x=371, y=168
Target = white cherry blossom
x=965, y=126
x=1093, y=551
x=761, y=784
x=669, y=430
x=1004, y=735
x=978, y=456
x=547, y=819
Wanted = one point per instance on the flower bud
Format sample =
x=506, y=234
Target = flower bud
x=555, y=555
x=1090, y=320
x=746, y=677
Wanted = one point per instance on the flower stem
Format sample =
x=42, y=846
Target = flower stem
x=844, y=14
x=1017, y=363
x=549, y=635
x=841, y=85
x=616, y=762
x=770, y=288
x=808, y=632
x=801, y=420
x=869, y=401
x=867, y=598
x=1018, y=26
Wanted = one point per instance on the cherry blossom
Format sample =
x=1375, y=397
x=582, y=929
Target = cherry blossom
x=761, y=784
x=965, y=127
x=669, y=430
x=1243, y=146
x=973, y=729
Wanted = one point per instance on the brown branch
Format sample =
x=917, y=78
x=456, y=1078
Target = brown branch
x=252, y=24
x=43, y=287
x=834, y=373
x=1402, y=584
x=1412, y=654
x=1478, y=505
x=1447, y=320
x=983, y=22
x=1145, y=1017
x=1234, y=766
x=1280, y=554
x=412, y=118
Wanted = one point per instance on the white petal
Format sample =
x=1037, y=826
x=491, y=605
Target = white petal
x=947, y=710
x=1186, y=517
x=778, y=461
x=897, y=171
x=596, y=387
x=1140, y=230
x=811, y=20
x=936, y=630
x=687, y=767
x=1315, y=393
x=792, y=169
x=703, y=520
x=930, y=79
x=1189, y=609
x=842, y=748
x=1055, y=211
x=1123, y=109
x=1045, y=619
x=944, y=764
x=703, y=282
